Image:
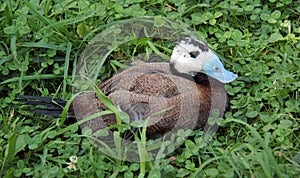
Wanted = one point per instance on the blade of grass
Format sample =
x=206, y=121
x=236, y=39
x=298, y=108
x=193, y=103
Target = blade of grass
x=13, y=46
x=10, y=150
x=8, y=12
x=20, y=81
x=66, y=67
x=36, y=12
x=195, y=174
x=44, y=45
x=67, y=22
x=90, y=117
x=108, y=103
x=118, y=145
x=31, y=77
x=152, y=46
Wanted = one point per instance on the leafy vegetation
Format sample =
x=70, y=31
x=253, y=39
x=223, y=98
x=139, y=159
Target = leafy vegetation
x=259, y=40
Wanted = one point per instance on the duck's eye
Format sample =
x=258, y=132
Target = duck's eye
x=194, y=54
x=217, y=69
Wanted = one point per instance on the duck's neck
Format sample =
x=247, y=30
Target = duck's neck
x=201, y=79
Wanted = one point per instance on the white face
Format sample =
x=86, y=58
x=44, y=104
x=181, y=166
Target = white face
x=192, y=56
x=189, y=55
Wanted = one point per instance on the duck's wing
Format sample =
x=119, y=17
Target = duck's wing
x=126, y=80
x=139, y=93
x=164, y=114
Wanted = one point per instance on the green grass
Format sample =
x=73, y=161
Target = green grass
x=259, y=136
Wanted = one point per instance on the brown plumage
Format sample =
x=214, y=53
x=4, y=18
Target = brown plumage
x=148, y=88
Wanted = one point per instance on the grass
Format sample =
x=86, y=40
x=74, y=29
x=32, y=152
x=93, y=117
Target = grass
x=259, y=135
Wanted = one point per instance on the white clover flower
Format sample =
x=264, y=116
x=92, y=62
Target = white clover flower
x=72, y=164
x=275, y=83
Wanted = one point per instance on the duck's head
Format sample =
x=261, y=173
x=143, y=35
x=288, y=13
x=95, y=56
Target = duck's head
x=191, y=56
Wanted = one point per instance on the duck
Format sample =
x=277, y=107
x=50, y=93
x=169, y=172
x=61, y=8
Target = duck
x=187, y=89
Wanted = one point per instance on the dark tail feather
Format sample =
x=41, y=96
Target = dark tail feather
x=38, y=100
x=44, y=105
